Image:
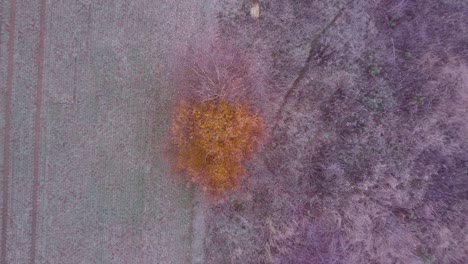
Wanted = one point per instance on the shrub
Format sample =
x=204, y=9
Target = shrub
x=212, y=141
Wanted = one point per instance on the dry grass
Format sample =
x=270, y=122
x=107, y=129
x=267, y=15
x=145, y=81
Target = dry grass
x=369, y=160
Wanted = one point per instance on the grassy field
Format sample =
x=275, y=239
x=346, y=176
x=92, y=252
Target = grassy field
x=367, y=160
x=84, y=111
x=365, y=104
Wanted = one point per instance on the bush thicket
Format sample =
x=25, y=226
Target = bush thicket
x=213, y=139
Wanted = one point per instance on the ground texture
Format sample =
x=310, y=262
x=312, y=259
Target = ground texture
x=84, y=108
x=366, y=158
x=368, y=154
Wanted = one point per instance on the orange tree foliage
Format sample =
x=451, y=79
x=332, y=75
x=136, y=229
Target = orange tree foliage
x=212, y=141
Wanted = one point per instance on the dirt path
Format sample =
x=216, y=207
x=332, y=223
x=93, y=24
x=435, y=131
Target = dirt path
x=85, y=90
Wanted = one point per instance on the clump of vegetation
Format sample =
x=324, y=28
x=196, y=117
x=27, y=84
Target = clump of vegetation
x=216, y=126
x=213, y=139
x=375, y=70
